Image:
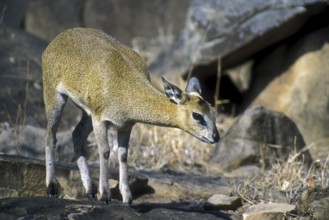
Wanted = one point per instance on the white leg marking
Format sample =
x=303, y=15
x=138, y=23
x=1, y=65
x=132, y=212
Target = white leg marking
x=100, y=130
x=84, y=173
x=53, y=118
x=123, y=142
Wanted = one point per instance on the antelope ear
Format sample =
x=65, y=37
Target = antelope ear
x=193, y=85
x=173, y=92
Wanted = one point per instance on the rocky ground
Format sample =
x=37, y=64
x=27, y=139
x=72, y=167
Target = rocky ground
x=156, y=196
x=271, y=59
x=52, y=208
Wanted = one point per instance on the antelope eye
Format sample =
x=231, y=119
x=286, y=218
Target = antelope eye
x=199, y=118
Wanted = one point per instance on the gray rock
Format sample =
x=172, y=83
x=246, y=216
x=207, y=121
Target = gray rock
x=298, y=87
x=20, y=77
x=125, y=19
x=272, y=211
x=232, y=31
x=52, y=208
x=26, y=177
x=21, y=95
x=168, y=188
x=30, y=142
x=320, y=208
x=241, y=75
x=12, y=13
x=259, y=127
x=223, y=202
x=46, y=19
x=21, y=177
x=164, y=214
x=245, y=171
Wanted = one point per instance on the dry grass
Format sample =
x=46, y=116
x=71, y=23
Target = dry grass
x=291, y=181
x=160, y=149
x=156, y=148
x=19, y=122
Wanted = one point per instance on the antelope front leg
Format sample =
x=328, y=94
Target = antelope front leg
x=100, y=130
x=51, y=182
x=123, y=142
x=54, y=106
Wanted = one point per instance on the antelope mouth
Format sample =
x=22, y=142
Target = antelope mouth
x=206, y=140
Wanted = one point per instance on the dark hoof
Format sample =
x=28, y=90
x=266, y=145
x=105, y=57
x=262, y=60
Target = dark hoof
x=91, y=196
x=105, y=199
x=105, y=202
x=52, y=190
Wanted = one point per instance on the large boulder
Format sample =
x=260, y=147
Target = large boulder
x=232, y=31
x=259, y=131
x=22, y=177
x=320, y=208
x=29, y=141
x=12, y=13
x=124, y=19
x=21, y=94
x=20, y=85
x=46, y=19
x=293, y=79
x=268, y=211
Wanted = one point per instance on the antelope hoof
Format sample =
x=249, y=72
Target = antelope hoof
x=105, y=202
x=52, y=190
x=91, y=196
x=92, y=193
x=105, y=199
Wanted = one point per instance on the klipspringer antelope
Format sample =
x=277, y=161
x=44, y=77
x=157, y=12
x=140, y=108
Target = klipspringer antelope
x=110, y=83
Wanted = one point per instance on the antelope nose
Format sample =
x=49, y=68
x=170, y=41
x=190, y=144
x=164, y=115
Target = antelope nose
x=215, y=136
